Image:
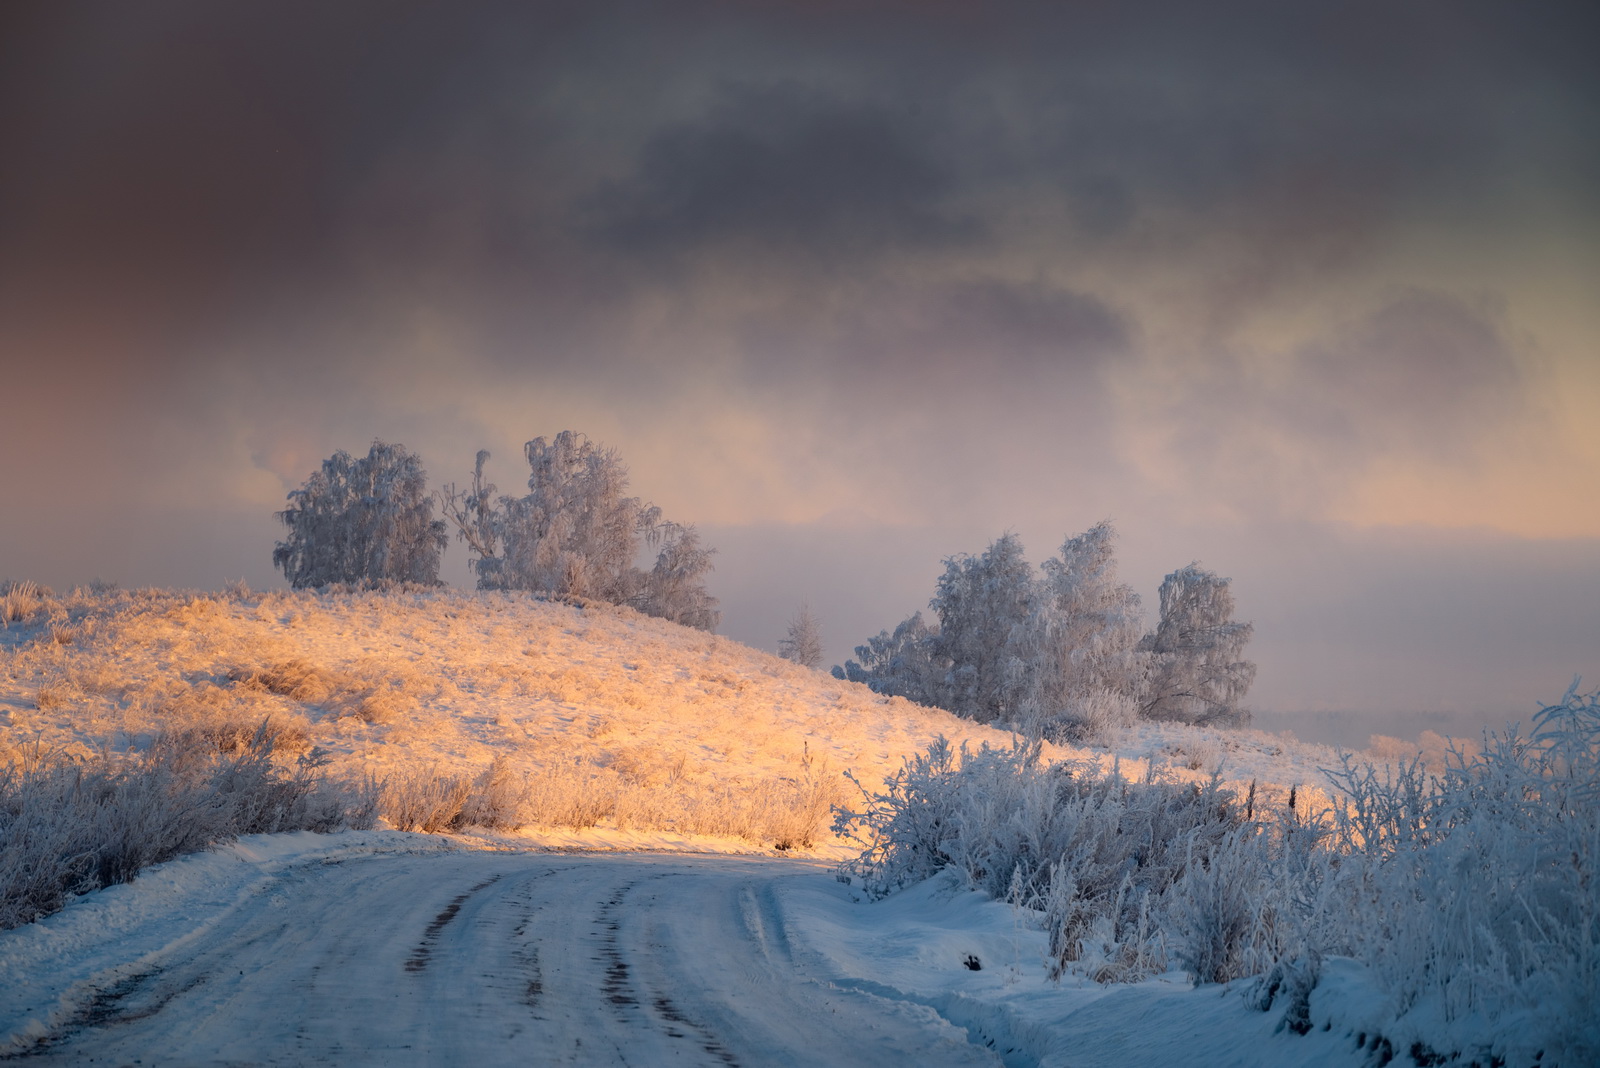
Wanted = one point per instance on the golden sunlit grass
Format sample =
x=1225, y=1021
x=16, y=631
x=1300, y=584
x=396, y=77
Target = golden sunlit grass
x=501, y=710
x=483, y=709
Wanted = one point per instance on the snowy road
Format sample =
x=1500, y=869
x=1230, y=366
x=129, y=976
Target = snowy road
x=482, y=958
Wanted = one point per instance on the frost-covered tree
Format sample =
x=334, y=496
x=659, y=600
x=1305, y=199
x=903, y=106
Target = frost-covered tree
x=675, y=588
x=1079, y=647
x=575, y=534
x=362, y=520
x=1057, y=652
x=803, y=642
x=980, y=600
x=1198, y=673
x=905, y=663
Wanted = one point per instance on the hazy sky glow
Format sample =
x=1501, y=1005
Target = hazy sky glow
x=1306, y=292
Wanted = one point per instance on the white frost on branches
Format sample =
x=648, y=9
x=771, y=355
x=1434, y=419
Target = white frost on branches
x=982, y=603
x=362, y=521
x=803, y=642
x=1058, y=652
x=1198, y=673
x=575, y=535
x=1080, y=645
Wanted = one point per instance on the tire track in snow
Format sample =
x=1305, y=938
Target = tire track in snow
x=595, y=960
x=419, y=957
x=619, y=990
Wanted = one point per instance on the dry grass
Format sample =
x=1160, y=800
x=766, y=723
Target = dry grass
x=550, y=714
x=70, y=825
x=477, y=710
x=21, y=602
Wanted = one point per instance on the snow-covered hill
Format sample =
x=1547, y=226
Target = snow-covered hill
x=667, y=732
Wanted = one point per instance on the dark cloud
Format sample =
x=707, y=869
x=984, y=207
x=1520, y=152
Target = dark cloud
x=1019, y=327
x=786, y=170
x=889, y=336
x=198, y=163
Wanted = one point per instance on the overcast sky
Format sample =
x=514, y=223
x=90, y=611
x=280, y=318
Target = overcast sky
x=1307, y=292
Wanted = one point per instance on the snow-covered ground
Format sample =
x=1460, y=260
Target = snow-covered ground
x=381, y=948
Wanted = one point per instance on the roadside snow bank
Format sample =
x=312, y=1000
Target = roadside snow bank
x=52, y=970
x=920, y=944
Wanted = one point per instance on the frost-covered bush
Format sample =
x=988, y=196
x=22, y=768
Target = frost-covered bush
x=1474, y=894
x=68, y=827
x=428, y=801
x=424, y=800
x=1471, y=897
x=576, y=536
x=362, y=521
x=943, y=805
x=21, y=601
x=1098, y=855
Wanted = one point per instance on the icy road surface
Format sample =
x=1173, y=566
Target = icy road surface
x=483, y=958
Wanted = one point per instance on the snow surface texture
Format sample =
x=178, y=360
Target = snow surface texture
x=381, y=948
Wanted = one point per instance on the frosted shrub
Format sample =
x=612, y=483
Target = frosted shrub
x=496, y=798
x=909, y=831
x=424, y=800
x=21, y=601
x=1097, y=854
x=430, y=802
x=1253, y=903
x=69, y=827
x=1473, y=894
x=1082, y=719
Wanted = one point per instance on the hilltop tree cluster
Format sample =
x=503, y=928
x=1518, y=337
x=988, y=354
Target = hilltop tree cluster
x=574, y=535
x=1059, y=651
